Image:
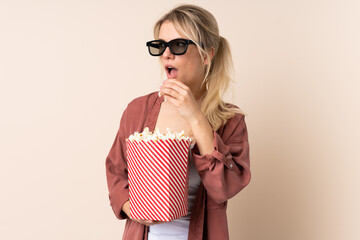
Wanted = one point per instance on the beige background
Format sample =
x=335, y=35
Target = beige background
x=68, y=68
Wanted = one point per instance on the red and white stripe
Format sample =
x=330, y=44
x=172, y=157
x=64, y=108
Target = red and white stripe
x=157, y=172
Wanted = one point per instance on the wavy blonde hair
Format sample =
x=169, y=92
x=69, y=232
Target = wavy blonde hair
x=200, y=26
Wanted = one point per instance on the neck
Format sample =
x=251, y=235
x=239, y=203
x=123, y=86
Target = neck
x=196, y=88
x=198, y=93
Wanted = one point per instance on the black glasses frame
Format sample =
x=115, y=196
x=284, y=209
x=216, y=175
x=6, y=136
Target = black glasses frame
x=168, y=44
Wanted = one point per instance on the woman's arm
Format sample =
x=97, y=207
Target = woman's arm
x=203, y=133
x=226, y=170
x=116, y=170
x=117, y=178
x=223, y=165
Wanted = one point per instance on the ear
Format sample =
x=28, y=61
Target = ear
x=211, y=52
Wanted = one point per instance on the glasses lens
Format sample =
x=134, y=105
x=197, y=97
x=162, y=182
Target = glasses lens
x=178, y=46
x=156, y=47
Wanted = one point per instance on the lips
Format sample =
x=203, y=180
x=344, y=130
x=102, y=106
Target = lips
x=171, y=71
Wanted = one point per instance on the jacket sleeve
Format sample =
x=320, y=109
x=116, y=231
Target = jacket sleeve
x=117, y=173
x=226, y=171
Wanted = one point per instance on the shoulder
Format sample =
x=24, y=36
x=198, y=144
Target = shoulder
x=142, y=104
x=235, y=127
x=136, y=112
x=143, y=100
x=239, y=116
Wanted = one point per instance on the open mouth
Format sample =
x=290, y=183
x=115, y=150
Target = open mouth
x=171, y=71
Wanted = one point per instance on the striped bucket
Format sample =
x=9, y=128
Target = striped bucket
x=158, y=178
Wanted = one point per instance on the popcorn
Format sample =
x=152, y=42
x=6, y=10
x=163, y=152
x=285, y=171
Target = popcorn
x=158, y=174
x=147, y=135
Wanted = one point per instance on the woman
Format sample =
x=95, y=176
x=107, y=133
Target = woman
x=197, y=62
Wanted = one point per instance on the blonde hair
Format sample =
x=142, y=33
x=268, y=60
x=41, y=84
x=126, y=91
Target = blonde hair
x=200, y=26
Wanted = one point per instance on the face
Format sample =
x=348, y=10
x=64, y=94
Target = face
x=187, y=68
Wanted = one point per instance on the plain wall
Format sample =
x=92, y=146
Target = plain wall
x=69, y=68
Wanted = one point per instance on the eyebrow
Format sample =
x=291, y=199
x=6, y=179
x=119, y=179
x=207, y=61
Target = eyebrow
x=171, y=39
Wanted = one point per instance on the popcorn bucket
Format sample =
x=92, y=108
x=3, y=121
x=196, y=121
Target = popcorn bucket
x=158, y=178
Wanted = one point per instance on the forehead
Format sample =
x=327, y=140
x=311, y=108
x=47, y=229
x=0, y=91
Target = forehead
x=168, y=31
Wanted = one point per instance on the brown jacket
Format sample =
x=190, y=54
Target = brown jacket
x=223, y=173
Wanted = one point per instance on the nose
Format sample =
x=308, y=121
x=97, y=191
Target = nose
x=167, y=54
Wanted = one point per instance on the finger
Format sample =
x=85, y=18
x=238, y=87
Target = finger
x=146, y=222
x=179, y=92
x=171, y=92
x=177, y=82
x=172, y=100
x=142, y=221
x=158, y=222
x=149, y=222
x=177, y=85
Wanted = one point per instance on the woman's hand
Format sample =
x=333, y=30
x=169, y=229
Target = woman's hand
x=184, y=101
x=126, y=209
x=182, y=98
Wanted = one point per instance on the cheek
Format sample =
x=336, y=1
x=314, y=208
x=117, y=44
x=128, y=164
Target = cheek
x=194, y=63
x=196, y=68
x=191, y=69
